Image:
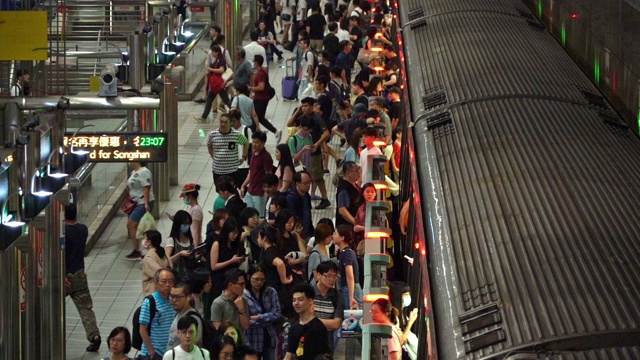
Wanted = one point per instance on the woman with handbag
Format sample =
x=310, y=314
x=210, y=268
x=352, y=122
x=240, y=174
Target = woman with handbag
x=287, y=17
x=216, y=82
x=141, y=193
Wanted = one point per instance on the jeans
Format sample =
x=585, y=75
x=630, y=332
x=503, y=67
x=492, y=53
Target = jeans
x=256, y=202
x=357, y=294
x=260, y=105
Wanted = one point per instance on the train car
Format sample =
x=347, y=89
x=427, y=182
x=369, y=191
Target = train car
x=527, y=185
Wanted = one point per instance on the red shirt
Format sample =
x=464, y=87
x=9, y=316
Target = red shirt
x=261, y=163
x=397, y=150
x=261, y=76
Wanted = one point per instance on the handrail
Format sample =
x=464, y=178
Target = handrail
x=192, y=45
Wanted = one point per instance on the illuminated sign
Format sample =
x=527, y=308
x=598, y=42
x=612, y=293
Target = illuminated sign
x=121, y=146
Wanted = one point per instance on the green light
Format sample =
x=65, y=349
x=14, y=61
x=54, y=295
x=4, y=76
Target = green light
x=638, y=120
x=539, y=9
x=202, y=134
x=155, y=120
x=564, y=35
x=596, y=71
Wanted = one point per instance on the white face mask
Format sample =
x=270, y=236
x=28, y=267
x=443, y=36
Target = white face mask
x=406, y=301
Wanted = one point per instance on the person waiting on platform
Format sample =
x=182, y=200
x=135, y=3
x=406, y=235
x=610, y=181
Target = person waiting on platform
x=155, y=259
x=189, y=196
x=383, y=313
x=349, y=269
x=188, y=331
x=141, y=191
x=76, y=280
x=179, y=245
x=261, y=164
x=119, y=341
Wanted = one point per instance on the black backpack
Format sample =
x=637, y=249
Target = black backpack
x=136, y=338
x=209, y=333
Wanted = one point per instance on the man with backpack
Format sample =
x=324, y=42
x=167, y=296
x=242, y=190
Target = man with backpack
x=307, y=65
x=155, y=317
x=328, y=303
x=188, y=330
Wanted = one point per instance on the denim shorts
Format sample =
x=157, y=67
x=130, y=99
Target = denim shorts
x=139, y=211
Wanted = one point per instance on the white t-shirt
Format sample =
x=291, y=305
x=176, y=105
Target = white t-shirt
x=363, y=161
x=252, y=49
x=246, y=131
x=136, y=183
x=195, y=354
x=287, y=9
x=307, y=60
x=302, y=4
x=343, y=35
x=196, y=215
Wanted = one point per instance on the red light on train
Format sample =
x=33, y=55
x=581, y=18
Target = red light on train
x=417, y=245
x=423, y=252
x=574, y=16
x=373, y=297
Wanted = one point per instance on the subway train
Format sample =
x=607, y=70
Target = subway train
x=523, y=191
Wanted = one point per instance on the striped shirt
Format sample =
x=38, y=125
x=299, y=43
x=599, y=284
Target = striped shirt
x=161, y=323
x=225, y=150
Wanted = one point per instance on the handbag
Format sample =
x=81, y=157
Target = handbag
x=271, y=92
x=285, y=17
x=363, y=56
x=216, y=83
x=227, y=74
x=128, y=204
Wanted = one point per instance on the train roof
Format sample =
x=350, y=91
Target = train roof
x=532, y=182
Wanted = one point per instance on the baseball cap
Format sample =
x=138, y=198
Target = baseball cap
x=191, y=187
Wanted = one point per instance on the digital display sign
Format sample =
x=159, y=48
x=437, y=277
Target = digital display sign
x=120, y=146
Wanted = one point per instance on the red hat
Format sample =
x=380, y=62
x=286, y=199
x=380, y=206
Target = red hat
x=188, y=188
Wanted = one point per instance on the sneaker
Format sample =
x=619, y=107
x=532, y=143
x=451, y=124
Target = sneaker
x=278, y=136
x=134, y=256
x=200, y=119
x=199, y=101
x=323, y=204
x=280, y=59
x=94, y=345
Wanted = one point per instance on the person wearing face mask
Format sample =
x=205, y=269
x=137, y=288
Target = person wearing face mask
x=180, y=244
x=189, y=196
x=400, y=295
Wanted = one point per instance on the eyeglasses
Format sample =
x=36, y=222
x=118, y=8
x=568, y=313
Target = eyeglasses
x=330, y=277
x=307, y=183
x=176, y=297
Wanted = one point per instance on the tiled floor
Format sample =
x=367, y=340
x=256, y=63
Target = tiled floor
x=115, y=283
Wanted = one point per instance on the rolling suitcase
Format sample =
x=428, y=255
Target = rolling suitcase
x=289, y=81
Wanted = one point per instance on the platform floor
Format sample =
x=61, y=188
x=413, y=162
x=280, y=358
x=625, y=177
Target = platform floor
x=115, y=283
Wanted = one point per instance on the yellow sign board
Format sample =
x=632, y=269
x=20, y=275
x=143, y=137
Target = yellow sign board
x=23, y=35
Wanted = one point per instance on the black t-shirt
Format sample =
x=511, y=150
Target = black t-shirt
x=75, y=238
x=365, y=74
x=395, y=110
x=331, y=45
x=315, y=342
x=318, y=129
x=316, y=22
x=348, y=257
x=362, y=99
x=357, y=44
x=326, y=105
x=270, y=271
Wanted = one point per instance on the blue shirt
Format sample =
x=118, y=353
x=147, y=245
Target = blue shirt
x=161, y=325
x=267, y=306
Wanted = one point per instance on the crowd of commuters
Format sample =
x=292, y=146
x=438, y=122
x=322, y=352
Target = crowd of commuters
x=261, y=279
